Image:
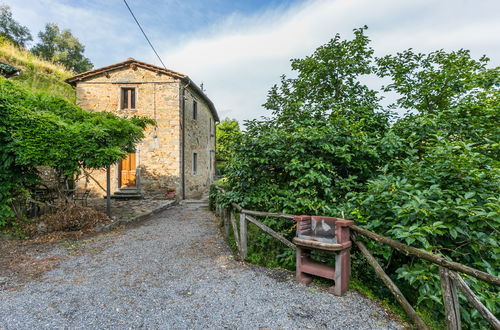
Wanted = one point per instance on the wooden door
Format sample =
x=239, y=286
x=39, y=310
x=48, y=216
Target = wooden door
x=127, y=172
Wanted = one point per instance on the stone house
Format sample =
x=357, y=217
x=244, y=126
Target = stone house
x=178, y=153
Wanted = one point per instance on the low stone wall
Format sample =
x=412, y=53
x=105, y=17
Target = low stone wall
x=128, y=211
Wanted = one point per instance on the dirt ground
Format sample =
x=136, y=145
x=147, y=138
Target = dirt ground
x=22, y=261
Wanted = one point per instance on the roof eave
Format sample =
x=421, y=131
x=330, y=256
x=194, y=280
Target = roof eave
x=87, y=74
x=209, y=102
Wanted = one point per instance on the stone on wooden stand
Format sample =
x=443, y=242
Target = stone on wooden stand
x=325, y=234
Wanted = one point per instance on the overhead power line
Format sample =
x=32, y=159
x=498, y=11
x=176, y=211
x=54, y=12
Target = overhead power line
x=144, y=33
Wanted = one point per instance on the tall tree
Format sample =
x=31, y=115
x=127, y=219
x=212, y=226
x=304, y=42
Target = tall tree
x=430, y=179
x=62, y=47
x=435, y=81
x=228, y=132
x=11, y=29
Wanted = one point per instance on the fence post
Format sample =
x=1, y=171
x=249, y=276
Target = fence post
x=226, y=215
x=243, y=236
x=390, y=284
x=450, y=299
x=235, y=232
x=218, y=212
x=473, y=300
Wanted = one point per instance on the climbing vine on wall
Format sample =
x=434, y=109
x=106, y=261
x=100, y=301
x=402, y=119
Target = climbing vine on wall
x=41, y=130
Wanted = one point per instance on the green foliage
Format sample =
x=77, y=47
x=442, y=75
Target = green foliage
x=11, y=29
x=323, y=138
x=430, y=179
x=214, y=195
x=42, y=130
x=62, y=47
x=228, y=134
x=36, y=74
x=435, y=81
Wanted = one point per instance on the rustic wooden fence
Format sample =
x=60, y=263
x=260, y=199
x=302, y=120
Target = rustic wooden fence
x=450, y=279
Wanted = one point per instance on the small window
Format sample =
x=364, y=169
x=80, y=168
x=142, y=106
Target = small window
x=195, y=110
x=195, y=162
x=128, y=98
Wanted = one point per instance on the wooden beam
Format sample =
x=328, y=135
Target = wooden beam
x=450, y=300
x=390, y=284
x=243, y=236
x=306, y=243
x=271, y=232
x=269, y=214
x=429, y=256
x=235, y=230
x=226, y=214
x=237, y=207
x=488, y=316
x=218, y=212
x=87, y=175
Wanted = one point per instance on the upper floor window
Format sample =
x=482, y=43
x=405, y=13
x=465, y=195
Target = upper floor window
x=195, y=110
x=128, y=98
x=195, y=162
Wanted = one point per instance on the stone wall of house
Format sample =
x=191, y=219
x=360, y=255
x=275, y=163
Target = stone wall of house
x=200, y=139
x=157, y=97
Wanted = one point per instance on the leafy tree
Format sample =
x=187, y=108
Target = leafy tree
x=441, y=191
x=328, y=86
x=323, y=138
x=431, y=179
x=227, y=133
x=11, y=29
x=62, y=47
x=434, y=81
x=41, y=130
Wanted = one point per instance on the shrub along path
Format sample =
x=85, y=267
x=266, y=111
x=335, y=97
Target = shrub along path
x=173, y=271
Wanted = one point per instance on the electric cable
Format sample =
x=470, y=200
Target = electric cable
x=144, y=33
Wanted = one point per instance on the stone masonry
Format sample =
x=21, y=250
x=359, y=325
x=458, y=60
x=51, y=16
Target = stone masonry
x=159, y=156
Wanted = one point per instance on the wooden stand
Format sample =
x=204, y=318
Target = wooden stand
x=306, y=266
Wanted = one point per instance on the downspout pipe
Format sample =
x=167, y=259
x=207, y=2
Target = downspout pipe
x=182, y=105
x=215, y=149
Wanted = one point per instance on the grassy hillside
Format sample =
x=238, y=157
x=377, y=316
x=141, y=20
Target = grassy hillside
x=37, y=74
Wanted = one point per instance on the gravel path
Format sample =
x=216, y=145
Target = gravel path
x=175, y=272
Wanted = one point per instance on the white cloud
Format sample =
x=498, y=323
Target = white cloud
x=107, y=36
x=240, y=58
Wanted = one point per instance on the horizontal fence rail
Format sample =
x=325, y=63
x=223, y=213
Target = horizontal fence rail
x=495, y=280
x=450, y=280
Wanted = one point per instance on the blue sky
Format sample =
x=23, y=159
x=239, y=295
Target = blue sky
x=239, y=49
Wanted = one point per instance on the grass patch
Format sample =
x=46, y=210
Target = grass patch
x=37, y=74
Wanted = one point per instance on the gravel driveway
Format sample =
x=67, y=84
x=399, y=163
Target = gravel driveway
x=174, y=271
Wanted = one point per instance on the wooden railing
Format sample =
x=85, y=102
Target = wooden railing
x=450, y=279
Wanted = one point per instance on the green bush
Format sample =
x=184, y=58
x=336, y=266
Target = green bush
x=429, y=179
